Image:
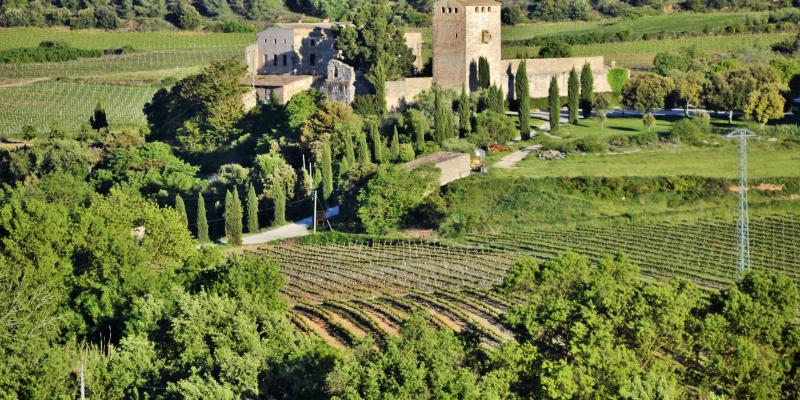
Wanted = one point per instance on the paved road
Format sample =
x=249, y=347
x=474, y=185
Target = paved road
x=509, y=160
x=288, y=231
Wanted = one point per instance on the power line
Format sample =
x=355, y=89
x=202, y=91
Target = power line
x=743, y=224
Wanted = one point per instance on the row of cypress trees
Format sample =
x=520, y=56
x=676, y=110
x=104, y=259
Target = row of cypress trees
x=233, y=214
x=580, y=96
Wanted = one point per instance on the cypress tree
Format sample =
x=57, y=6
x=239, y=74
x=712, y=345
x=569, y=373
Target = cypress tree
x=484, y=75
x=363, y=150
x=377, y=143
x=344, y=166
x=233, y=218
x=495, y=100
x=252, y=209
x=181, y=209
x=394, y=151
x=327, y=172
x=573, y=93
x=522, y=90
x=443, y=117
x=349, y=152
x=464, y=111
x=420, y=139
x=202, y=221
x=587, y=90
x=280, y=205
x=98, y=120
x=554, y=103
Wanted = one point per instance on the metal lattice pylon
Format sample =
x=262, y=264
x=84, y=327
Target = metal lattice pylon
x=742, y=226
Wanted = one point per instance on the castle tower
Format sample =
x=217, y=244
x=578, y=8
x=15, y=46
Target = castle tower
x=463, y=31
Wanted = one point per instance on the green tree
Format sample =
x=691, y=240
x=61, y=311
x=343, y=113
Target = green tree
x=233, y=218
x=377, y=77
x=391, y=194
x=200, y=112
x=279, y=199
x=188, y=17
x=554, y=104
x=688, y=89
x=648, y=120
x=202, y=219
x=555, y=49
x=419, y=127
x=180, y=208
x=364, y=156
x=601, y=104
x=573, y=96
x=349, y=150
x=495, y=101
x=484, y=73
x=522, y=91
x=326, y=167
x=271, y=170
x=765, y=104
x=252, y=209
x=375, y=35
x=646, y=92
x=394, y=149
x=587, y=90
x=377, y=142
x=98, y=120
x=464, y=112
x=442, y=117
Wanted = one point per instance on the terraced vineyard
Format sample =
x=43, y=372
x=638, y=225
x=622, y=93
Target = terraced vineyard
x=345, y=291
x=703, y=251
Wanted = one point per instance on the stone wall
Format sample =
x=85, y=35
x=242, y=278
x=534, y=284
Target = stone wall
x=453, y=166
x=541, y=70
x=401, y=93
x=340, y=82
x=449, y=52
x=483, y=39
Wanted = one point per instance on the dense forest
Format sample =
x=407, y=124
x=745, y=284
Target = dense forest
x=238, y=15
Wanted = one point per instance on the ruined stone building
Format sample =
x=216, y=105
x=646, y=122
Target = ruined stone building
x=289, y=58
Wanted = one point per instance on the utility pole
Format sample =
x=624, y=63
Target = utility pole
x=311, y=174
x=743, y=225
x=83, y=383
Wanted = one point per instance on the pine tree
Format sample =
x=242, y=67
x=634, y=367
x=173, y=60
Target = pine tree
x=522, y=90
x=349, y=151
x=233, y=218
x=377, y=143
x=587, y=90
x=252, y=209
x=202, y=220
x=363, y=150
x=327, y=172
x=98, y=120
x=344, y=166
x=394, y=150
x=280, y=206
x=181, y=209
x=554, y=103
x=484, y=74
x=573, y=95
x=464, y=112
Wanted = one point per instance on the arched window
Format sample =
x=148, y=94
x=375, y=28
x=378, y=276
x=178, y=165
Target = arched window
x=442, y=10
x=483, y=9
x=476, y=9
x=456, y=10
x=490, y=9
x=449, y=10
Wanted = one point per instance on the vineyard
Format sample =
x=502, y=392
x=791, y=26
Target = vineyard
x=344, y=291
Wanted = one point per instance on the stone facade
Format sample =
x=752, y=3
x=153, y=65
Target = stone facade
x=295, y=48
x=340, y=82
x=541, y=70
x=401, y=93
x=453, y=166
x=414, y=42
x=463, y=31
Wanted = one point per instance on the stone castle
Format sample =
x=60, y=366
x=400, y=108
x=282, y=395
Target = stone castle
x=289, y=58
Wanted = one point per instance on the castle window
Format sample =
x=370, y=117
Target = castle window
x=276, y=40
x=312, y=59
x=476, y=9
x=275, y=59
x=456, y=10
x=483, y=9
x=284, y=60
x=490, y=9
x=449, y=10
x=442, y=10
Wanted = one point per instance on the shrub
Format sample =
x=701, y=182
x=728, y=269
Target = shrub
x=492, y=128
x=555, y=49
x=407, y=152
x=47, y=51
x=367, y=104
x=690, y=131
x=391, y=194
x=617, y=78
x=458, y=146
x=590, y=145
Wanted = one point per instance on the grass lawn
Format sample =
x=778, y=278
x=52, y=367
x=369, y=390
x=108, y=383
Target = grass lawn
x=677, y=22
x=764, y=160
x=612, y=127
x=640, y=53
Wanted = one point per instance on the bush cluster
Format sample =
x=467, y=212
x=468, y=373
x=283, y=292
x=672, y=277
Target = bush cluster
x=690, y=130
x=48, y=51
x=687, y=187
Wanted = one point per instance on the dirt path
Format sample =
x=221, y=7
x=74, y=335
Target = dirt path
x=382, y=323
x=510, y=160
x=21, y=82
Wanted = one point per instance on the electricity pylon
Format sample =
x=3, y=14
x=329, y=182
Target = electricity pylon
x=742, y=226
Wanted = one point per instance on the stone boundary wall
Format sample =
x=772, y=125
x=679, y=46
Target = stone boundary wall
x=540, y=70
x=400, y=93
